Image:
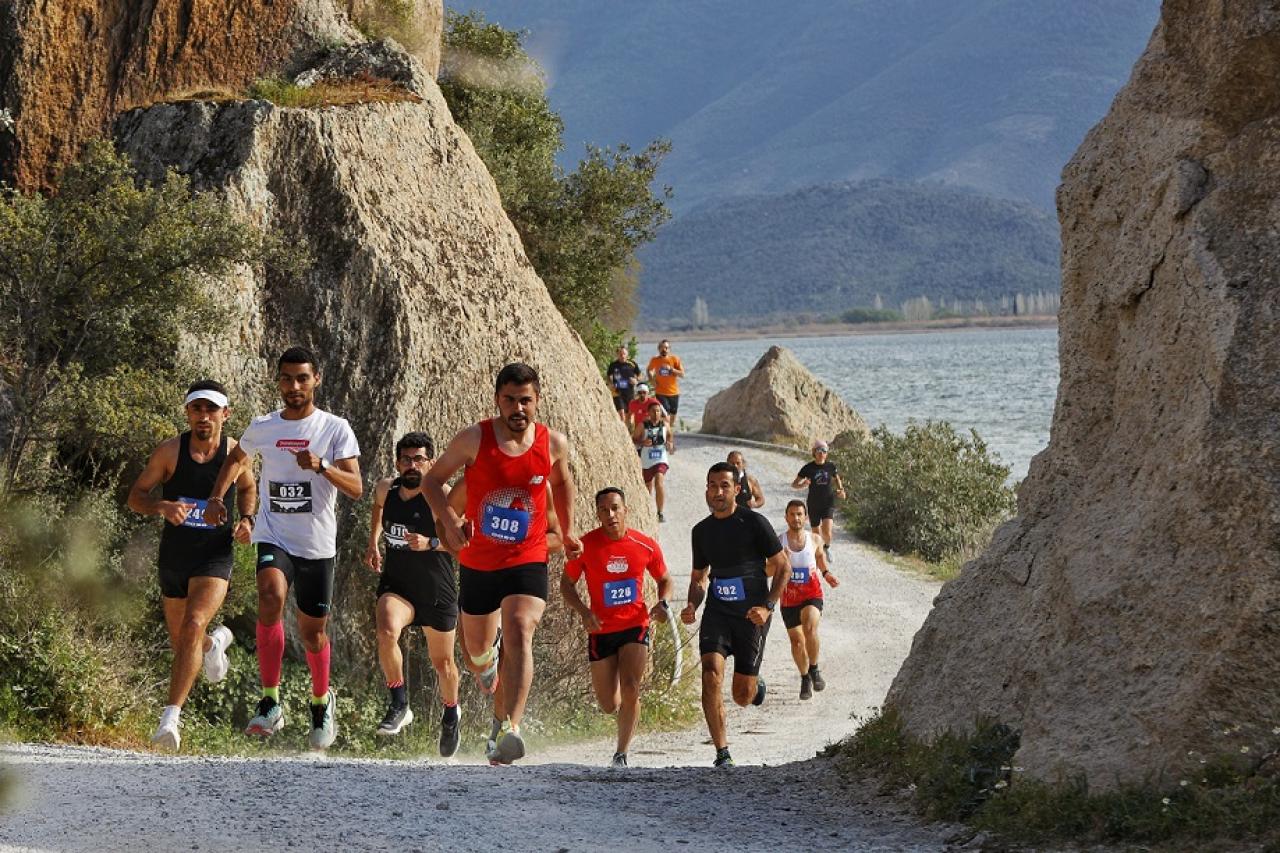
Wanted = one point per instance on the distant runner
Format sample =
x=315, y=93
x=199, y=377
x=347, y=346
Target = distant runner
x=750, y=496
x=416, y=588
x=614, y=560
x=653, y=438
x=736, y=549
x=802, y=599
x=510, y=462
x=664, y=372
x=308, y=456
x=623, y=375
x=638, y=409
x=824, y=484
x=195, y=558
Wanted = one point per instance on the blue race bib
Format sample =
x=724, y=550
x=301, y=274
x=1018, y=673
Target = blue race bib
x=800, y=575
x=195, y=518
x=657, y=452
x=729, y=589
x=618, y=593
x=505, y=525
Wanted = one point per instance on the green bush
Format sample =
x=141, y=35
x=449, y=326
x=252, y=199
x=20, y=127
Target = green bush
x=930, y=491
x=871, y=315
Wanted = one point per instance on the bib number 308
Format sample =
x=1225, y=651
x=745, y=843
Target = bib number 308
x=506, y=525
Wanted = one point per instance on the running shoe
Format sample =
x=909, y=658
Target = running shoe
x=216, y=664
x=324, y=727
x=806, y=687
x=661, y=518
x=491, y=744
x=167, y=736
x=450, y=734
x=487, y=681
x=396, y=718
x=268, y=720
x=819, y=683
x=510, y=748
x=760, y=690
x=619, y=761
x=723, y=758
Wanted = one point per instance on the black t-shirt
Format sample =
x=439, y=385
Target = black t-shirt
x=622, y=376
x=736, y=547
x=821, y=482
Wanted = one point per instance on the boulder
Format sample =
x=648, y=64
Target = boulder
x=781, y=402
x=1128, y=616
x=417, y=24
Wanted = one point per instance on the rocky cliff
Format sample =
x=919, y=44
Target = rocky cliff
x=1128, y=615
x=780, y=401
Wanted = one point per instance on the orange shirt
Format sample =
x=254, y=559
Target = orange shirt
x=665, y=380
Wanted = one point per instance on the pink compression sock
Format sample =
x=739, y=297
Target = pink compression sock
x=318, y=662
x=270, y=653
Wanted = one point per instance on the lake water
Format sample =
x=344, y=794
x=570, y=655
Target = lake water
x=1001, y=383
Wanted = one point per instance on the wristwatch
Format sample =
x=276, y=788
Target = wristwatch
x=324, y=465
x=433, y=543
x=770, y=606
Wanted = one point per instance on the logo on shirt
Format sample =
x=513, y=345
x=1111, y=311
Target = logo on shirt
x=535, y=479
x=617, y=565
x=293, y=443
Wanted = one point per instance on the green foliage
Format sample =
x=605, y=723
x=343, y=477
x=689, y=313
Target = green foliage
x=930, y=491
x=580, y=229
x=871, y=315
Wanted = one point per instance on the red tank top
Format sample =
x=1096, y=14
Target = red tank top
x=507, y=503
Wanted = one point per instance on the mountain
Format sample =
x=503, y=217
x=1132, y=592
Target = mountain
x=826, y=249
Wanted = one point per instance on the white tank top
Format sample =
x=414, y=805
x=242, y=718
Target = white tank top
x=805, y=558
x=657, y=454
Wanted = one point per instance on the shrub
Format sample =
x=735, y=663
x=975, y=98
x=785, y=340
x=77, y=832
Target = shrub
x=871, y=315
x=930, y=491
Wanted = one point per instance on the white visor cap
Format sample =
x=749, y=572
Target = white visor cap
x=215, y=397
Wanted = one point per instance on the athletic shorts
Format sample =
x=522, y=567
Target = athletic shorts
x=175, y=574
x=311, y=579
x=619, y=403
x=481, y=593
x=655, y=470
x=791, y=615
x=601, y=646
x=430, y=591
x=623, y=398
x=820, y=511
x=734, y=635
x=670, y=403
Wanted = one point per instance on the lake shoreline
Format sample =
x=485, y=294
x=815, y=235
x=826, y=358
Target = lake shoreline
x=833, y=330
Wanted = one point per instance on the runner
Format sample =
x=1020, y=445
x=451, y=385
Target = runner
x=802, y=599
x=416, y=587
x=195, y=558
x=750, y=495
x=614, y=560
x=738, y=549
x=664, y=372
x=823, y=481
x=308, y=456
x=653, y=439
x=510, y=462
x=638, y=409
x=622, y=374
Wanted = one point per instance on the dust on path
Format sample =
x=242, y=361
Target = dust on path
x=560, y=798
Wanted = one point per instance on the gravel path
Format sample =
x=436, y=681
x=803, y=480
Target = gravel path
x=560, y=798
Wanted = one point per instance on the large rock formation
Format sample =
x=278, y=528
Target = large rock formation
x=1129, y=614
x=780, y=401
x=417, y=24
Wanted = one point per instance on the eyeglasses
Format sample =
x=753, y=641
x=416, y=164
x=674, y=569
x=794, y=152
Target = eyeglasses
x=414, y=460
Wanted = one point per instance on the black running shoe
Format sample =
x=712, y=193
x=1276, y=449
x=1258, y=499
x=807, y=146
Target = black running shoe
x=819, y=683
x=450, y=734
x=396, y=718
x=723, y=758
x=806, y=687
x=760, y=690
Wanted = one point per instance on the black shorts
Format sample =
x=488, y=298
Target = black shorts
x=619, y=403
x=481, y=593
x=430, y=591
x=820, y=511
x=734, y=635
x=601, y=646
x=312, y=579
x=175, y=573
x=670, y=403
x=791, y=615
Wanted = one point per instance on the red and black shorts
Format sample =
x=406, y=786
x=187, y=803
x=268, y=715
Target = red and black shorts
x=791, y=615
x=601, y=646
x=654, y=470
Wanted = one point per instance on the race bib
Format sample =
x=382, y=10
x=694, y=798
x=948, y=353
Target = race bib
x=505, y=525
x=622, y=383
x=288, y=497
x=397, y=536
x=665, y=371
x=195, y=518
x=657, y=452
x=618, y=593
x=728, y=589
x=800, y=575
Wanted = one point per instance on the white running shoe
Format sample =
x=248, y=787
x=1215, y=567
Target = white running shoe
x=167, y=736
x=216, y=663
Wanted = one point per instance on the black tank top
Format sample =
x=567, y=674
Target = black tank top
x=400, y=517
x=192, y=482
x=744, y=494
x=656, y=434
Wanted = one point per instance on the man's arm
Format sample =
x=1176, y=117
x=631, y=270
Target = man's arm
x=778, y=568
x=373, y=554
x=159, y=468
x=563, y=493
x=678, y=367
x=801, y=480
x=835, y=478
x=569, y=590
x=246, y=501
x=824, y=564
x=461, y=451
x=215, y=512
x=757, y=493
x=697, y=594
x=659, y=612
x=343, y=473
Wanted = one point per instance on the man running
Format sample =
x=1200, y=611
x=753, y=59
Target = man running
x=750, y=495
x=638, y=409
x=415, y=587
x=308, y=456
x=823, y=481
x=622, y=373
x=736, y=549
x=653, y=439
x=664, y=372
x=510, y=463
x=195, y=558
x=802, y=599
x=614, y=560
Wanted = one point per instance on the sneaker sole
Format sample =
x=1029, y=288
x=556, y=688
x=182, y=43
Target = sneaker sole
x=168, y=741
x=265, y=731
x=510, y=749
x=408, y=718
x=218, y=672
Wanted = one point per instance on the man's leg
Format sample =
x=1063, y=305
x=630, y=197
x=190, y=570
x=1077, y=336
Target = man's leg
x=520, y=617
x=478, y=634
x=204, y=597
x=809, y=619
x=826, y=531
x=712, y=701
x=744, y=688
x=660, y=490
x=799, y=650
x=316, y=642
x=604, y=682
x=440, y=649
x=392, y=615
x=632, y=659
x=273, y=590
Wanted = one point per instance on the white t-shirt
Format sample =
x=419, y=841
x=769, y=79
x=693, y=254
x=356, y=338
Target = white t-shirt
x=296, y=506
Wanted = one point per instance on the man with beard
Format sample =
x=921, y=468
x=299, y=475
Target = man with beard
x=308, y=456
x=415, y=587
x=195, y=558
x=511, y=461
x=802, y=599
x=622, y=373
x=736, y=551
x=750, y=495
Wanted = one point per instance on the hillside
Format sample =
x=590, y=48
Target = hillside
x=825, y=249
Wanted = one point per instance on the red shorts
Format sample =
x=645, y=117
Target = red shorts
x=650, y=473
